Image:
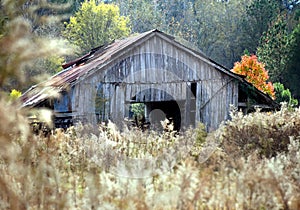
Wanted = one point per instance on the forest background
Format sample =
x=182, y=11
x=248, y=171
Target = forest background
x=223, y=30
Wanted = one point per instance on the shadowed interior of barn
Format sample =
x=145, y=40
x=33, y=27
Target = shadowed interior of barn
x=150, y=68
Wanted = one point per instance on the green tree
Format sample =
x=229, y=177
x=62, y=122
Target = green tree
x=284, y=95
x=274, y=49
x=73, y=5
x=46, y=66
x=144, y=15
x=259, y=15
x=279, y=49
x=96, y=24
x=218, y=29
x=292, y=77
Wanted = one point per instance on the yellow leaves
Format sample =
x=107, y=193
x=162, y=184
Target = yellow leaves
x=14, y=94
x=96, y=24
x=73, y=20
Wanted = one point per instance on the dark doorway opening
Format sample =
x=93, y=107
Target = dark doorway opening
x=158, y=111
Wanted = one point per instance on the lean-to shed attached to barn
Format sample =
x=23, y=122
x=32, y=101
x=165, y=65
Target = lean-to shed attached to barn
x=152, y=68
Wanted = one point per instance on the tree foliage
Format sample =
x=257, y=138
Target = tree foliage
x=48, y=66
x=292, y=76
x=144, y=15
x=255, y=73
x=96, y=24
x=284, y=95
x=258, y=16
x=138, y=110
x=273, y=50
x=279, y=50
x=220, y=29
x=14, y=94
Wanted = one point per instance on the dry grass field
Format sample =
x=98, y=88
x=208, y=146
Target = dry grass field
x=255, y=165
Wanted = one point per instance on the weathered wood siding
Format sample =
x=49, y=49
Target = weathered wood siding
x=157, y=69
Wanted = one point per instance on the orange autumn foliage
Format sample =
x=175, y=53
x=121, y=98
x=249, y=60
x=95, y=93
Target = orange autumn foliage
x=255, y=73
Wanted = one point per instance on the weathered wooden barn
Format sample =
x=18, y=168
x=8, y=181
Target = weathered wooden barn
x=150, y=68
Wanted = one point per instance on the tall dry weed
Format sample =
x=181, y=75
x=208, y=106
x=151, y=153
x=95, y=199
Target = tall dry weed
x=266, y=133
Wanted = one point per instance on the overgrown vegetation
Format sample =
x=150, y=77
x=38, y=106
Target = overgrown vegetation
x=20, y=46
x=256, y=166
x=264, y=133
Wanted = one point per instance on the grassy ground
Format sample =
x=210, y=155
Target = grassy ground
x=253, y=164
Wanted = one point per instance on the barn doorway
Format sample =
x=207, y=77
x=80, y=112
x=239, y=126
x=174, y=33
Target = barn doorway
x=158, y=111
x=155, y=112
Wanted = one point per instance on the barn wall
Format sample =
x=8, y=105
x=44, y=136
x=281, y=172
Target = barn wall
x=155, y=71
x=214, y=100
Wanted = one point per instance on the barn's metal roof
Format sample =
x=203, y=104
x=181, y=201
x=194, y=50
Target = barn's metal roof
x=75, y=69
x=86, y=64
